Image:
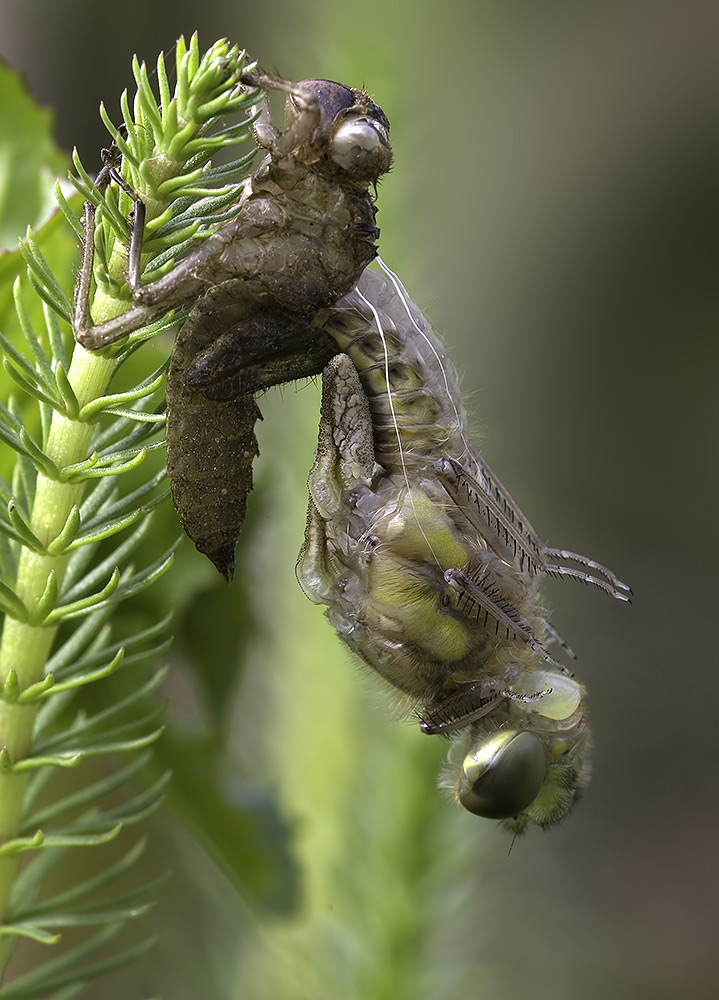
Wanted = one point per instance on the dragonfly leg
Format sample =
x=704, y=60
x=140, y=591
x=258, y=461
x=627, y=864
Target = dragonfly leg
x=487, y=515
x=301, y=125
x=465, y=706
x=484, y=595
x=175, y=289
x=554, y=636
x=468, y=704
x=81, y=306
x=490, y=507
x=611, y=584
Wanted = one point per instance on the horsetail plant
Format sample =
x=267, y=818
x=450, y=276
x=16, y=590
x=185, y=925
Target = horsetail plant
x=70, y=526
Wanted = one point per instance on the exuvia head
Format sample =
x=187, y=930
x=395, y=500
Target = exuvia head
x=352, y=130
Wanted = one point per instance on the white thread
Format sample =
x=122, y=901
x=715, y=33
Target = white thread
x=404, y=296
x=378, y=323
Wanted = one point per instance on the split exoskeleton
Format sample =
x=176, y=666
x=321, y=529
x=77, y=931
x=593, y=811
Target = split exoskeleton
x=304, y=232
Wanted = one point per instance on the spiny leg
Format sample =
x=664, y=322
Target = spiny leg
x=482, y=593
x=492, y=511
x=469, y=704
x=509, y=540
x=554, y=636
x=178, y=288
x=616, y=587
x=81, y=307
x=300, y=128
x=152, y=301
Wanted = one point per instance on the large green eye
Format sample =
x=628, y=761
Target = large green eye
x=502, y=775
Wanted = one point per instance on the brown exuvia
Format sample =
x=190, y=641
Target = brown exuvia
x=304, y=232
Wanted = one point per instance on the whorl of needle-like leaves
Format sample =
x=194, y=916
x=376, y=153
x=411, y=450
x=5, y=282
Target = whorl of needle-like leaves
x=70, y=529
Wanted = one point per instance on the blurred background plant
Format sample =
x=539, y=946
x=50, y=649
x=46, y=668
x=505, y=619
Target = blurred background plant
x=565, y=161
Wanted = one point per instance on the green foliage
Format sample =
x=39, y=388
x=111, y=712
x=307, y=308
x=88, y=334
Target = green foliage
x=30, y=161
x=76, y=505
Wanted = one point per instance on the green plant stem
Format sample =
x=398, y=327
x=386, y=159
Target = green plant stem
x=25, y=647
x=161, y=143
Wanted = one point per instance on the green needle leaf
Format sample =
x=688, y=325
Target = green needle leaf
x=44, y=369
x=82, y=840
x=29, y=539
x=66, y=393
x=39, y=268
x=19, y=845
x=97, y=468
x=11, y=604
x=29, y=931
x=58, y=760
x=37, y=984
x=86, y=604
x=87, y=796
x=63, y=541
x=107, y=530
x=78, y=680
x=30, y=386
x=47, y=601
x=11, y=687
x=38, y=457
x=71, y=216
x=37, y=691
x=120, y=398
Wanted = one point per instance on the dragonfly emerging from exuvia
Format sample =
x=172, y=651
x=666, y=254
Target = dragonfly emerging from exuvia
x=429, y=569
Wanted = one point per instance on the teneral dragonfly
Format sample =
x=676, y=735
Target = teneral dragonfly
x=429, y=569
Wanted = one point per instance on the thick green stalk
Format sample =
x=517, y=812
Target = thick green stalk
x=25, y=647
x=163, y=154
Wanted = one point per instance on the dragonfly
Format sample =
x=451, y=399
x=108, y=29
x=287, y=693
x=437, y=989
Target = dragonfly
x=431, y=572
x=429, y=569
x=304, y=232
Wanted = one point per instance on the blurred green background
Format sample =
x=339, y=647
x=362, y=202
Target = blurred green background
x=553, y=207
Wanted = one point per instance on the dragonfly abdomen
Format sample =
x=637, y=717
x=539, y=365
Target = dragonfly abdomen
x=411, y=386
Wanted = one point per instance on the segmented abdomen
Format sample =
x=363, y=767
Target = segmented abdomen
x=411, y=385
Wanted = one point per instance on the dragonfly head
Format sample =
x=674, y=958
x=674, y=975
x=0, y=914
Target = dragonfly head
x=503, y=774
x=515, y=776
x=353, y=131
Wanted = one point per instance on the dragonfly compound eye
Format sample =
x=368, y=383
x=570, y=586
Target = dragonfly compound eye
x=503, y=774
x=360, y=145
x=333, y=98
